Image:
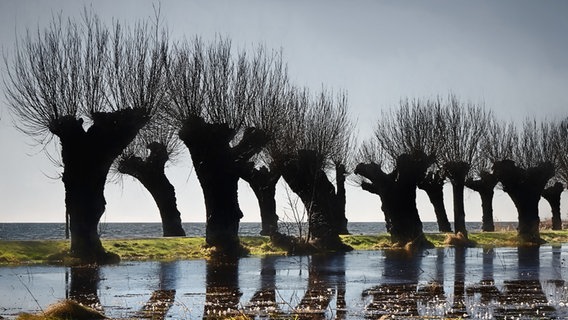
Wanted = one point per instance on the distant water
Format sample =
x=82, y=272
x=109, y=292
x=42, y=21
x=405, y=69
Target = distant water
x=44, y=231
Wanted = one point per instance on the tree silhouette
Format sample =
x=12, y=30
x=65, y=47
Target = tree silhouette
x=214, y=95
x=555, y=187
x=312, y=141
x=94, y=88
x=464, y=125
x=260, y=172
x=405, y=141
x=145, y=159
x=496, y=144
x=526, y=173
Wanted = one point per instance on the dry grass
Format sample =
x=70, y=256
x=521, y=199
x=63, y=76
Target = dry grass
x=66, y=309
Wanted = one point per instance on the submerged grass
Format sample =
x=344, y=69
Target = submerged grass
x=166, y=249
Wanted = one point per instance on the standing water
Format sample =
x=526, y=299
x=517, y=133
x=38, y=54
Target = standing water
x=525, y=283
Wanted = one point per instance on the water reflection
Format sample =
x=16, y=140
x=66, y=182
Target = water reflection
x=263, y=301
x=326, y=280
x=222, y=295
x=524, y=295
x=398, y=294
x=84, y=285
x=163, y=298
x=459, y=304
x=480, y=283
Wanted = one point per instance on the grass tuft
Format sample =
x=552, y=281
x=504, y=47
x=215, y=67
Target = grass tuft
x=66, y=309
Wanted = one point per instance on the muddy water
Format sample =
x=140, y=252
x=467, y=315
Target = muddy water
x=503, y=283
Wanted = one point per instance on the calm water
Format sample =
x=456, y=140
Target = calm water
x=41, y=231
x=503, y=283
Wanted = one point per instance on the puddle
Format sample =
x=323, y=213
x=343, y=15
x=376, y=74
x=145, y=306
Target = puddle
x=504, y=283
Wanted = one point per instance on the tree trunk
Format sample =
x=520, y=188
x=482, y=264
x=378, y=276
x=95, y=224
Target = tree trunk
x=488, y=224
x=457, y=171
x=398, y=196
x=433, y=185
x=459, y=211
x=340, y=219
x=552, y=195
x=263, y=183
x=150, y=172
x=525, y=187
x=303, y=173
x=485, y=185
x=87, y=157
x=217, y=166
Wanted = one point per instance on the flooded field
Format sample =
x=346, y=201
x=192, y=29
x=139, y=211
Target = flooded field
x=503, y=283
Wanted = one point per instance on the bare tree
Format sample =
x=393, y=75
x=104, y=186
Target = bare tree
x=214, y=97
x=464, y=126
x=145, y=159
x=94, y=89
x=553, y=191
x=526, y=173
x=260, y=172
x=314, y=131
x=405, y=142
x=496, y=144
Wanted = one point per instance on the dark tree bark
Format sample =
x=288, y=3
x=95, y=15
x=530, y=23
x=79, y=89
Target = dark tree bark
x=87, y=157
x=552, y=195
x=398, y=195
x=457, y=171
x=525, y=187
x=485, y=186
x=263, y=183
x=150, y=172
x=303, y=173
x=340, y=218
x=433, y=185
x=217, y=166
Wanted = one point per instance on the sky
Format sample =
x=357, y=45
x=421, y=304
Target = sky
x=509, y=55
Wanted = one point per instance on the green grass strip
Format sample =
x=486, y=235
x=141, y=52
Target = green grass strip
x=168, y=249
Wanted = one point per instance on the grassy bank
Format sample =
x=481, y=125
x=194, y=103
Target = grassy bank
x=49, y=251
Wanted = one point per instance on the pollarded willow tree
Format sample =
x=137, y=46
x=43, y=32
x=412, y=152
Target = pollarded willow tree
x=496, y=144
x=94, y=88
x=526, y=173
x=260, y=171
x=556, y=185
x=313, y=138
x=405, y=142
x=464, y=126
x=214, y=94
x=145, y=159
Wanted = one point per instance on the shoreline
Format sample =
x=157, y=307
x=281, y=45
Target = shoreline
x=30, y=252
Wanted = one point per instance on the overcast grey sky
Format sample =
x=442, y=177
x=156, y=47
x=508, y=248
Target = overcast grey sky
x=508, y=54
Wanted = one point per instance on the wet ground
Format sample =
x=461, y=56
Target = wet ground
x=503, y=283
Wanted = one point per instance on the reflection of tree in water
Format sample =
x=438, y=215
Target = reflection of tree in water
x=163, y=298
x=326, y=279
x=432, y=295
x=525, y=295
x=398, y=297
x=486, y=288
x=84, y=285
x=222, y=293
x=459, y=308
x=263, y=302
